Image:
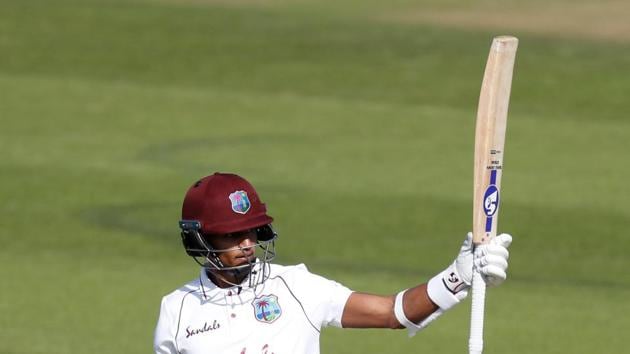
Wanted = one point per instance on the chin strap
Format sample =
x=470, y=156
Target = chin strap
x=238, y=274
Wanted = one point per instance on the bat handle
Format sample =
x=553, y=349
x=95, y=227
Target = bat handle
x=475, y=341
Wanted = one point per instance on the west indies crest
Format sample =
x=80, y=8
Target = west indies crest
x=267, y=308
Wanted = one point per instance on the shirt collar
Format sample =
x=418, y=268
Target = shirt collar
x=210, y=290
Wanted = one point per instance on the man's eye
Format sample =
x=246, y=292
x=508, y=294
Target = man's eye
x=240, y=234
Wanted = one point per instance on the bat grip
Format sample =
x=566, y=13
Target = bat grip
x=475, y=341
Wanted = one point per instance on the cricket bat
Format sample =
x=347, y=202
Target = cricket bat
x=489, y=140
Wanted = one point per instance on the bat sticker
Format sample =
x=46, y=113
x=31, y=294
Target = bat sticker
x=491, y=200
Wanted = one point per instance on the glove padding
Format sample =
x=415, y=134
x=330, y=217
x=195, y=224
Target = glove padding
x=451, y=286
x=490, y=259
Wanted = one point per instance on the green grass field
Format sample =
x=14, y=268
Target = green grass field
x=355, y=120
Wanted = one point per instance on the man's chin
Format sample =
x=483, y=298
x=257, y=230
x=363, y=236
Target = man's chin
x=242, y=261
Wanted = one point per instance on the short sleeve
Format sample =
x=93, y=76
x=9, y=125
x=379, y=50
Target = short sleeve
x=324, y=300
x=164, y=339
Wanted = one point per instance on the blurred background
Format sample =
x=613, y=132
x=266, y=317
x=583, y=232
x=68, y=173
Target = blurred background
x=354, y=119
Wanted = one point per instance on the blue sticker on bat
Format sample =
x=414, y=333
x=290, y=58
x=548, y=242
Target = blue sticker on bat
x=489, y=224
x=493, y=177
x=491, y=200
x=490, y=204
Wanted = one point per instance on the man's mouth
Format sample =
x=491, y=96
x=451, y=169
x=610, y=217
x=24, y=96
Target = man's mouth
x=247, y=257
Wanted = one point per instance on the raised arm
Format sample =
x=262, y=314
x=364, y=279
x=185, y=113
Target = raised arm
x=374, y=311
x=416, y=307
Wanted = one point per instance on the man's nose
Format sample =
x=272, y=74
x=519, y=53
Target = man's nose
x=248, y=242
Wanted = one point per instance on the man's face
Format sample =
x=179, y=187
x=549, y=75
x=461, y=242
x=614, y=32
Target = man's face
x=238, y=248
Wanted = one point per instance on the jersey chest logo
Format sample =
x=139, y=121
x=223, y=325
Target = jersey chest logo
x=267, y=308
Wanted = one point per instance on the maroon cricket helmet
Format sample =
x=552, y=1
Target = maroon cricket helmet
x=224, y=203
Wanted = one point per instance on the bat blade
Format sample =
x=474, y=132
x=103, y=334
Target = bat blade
x=489, y=142
x=490, y=136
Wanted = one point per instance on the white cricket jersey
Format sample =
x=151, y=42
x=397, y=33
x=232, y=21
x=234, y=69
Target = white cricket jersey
x=282, y=316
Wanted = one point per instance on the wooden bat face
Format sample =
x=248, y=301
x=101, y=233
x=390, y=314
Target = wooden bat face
x=490, y=137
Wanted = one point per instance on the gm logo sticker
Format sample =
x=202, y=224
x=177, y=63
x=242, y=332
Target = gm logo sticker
x=491, y=200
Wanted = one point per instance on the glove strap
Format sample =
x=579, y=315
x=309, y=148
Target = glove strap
x=446, y=288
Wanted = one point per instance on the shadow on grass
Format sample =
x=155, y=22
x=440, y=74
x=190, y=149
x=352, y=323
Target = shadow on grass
x=575, y=247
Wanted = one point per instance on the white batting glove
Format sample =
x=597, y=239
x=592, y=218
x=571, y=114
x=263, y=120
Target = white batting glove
x=450, y=287
x=492, y=259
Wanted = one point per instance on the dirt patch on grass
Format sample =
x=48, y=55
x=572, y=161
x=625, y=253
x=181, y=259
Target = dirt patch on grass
x=607, y=20
x=601, y=20
x=236, y=3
